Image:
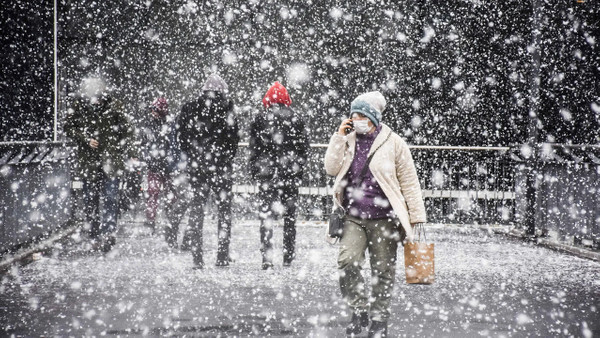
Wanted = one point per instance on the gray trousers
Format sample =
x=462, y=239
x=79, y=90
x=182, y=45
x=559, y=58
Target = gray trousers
x=380, y=237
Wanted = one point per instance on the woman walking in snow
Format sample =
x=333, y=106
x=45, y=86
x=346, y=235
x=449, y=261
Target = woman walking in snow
x=376, y=183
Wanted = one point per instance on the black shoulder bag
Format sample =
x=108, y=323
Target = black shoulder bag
x=336, y=218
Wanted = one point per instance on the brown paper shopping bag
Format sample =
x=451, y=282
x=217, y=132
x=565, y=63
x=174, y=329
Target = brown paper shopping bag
x=419, y=261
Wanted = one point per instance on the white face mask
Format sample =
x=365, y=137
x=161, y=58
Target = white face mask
x=361, y=126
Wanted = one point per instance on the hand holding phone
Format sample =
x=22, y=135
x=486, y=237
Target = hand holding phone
x=346, y=127
x=350, y=128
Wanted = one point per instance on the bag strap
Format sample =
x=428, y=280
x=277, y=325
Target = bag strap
x=420, y=229
x=363, y=172
x=364, y=169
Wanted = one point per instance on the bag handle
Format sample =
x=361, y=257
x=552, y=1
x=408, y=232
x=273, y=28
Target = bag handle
x=336, y=203
x=420, y=229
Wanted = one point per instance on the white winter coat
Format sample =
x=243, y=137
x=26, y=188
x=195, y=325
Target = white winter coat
x=393, y=168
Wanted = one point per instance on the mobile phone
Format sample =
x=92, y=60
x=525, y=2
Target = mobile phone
x=349, y=130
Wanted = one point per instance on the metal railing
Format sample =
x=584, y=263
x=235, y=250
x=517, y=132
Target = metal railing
x=35, y=191
x=467, y=184
x=559, y=193
x=26, y=152
x=460, y=184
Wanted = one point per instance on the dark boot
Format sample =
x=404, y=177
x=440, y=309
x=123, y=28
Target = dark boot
x=289, y=233
x=198, y=258
x=108, y=241
x=171, y=237
x=197, y=248
x=186, y=244
x=359, y=320
x=378, y=330
x=287, y=260
x=289, y=239
x=224, y=225
x=172, y=229
x=223, y=244
x=174, y=215
x=223, y=258
x=96, y=244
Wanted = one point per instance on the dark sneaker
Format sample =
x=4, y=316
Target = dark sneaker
x=267, y=266
x=223, y=257
x=186, y=244
x=198, y=263
x=359, y=320
x=171, y=238
x=378, y=330
x=171, y=242
x=287, y=260
x=223, y=262
x=96, y=245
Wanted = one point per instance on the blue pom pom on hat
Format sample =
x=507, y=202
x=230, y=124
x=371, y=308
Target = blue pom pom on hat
x=369, y=104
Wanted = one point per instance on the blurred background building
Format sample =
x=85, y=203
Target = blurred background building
x=454, y=73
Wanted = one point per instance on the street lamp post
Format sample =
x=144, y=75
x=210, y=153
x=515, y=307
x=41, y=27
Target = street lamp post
x=55, y=63
x=532, y=162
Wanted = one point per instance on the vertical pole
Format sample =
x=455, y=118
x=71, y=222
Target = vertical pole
x=532, y=165
x=55, y=75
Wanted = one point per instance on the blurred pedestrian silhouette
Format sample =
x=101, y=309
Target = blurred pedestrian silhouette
x=208, y=135
x=278, y=152
x=161, y=156
x=104, y=138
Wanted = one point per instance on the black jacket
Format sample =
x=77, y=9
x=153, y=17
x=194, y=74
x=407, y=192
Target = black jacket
x=106, y=122
x=208, y=134
x=278, y=145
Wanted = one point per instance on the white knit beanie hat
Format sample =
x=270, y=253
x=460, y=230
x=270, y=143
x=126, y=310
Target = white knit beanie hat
x=370, y=104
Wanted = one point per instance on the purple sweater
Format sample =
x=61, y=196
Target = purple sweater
x=366, y=201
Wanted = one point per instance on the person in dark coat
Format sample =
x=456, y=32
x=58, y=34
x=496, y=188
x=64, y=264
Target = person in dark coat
x=160, y=154
x=104, y=139
x=278, y=152
x=208, y=136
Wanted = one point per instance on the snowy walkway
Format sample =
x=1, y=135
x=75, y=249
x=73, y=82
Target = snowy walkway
x=487, y=285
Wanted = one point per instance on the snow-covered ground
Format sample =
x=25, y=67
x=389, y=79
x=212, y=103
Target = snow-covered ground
x=486, y=285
